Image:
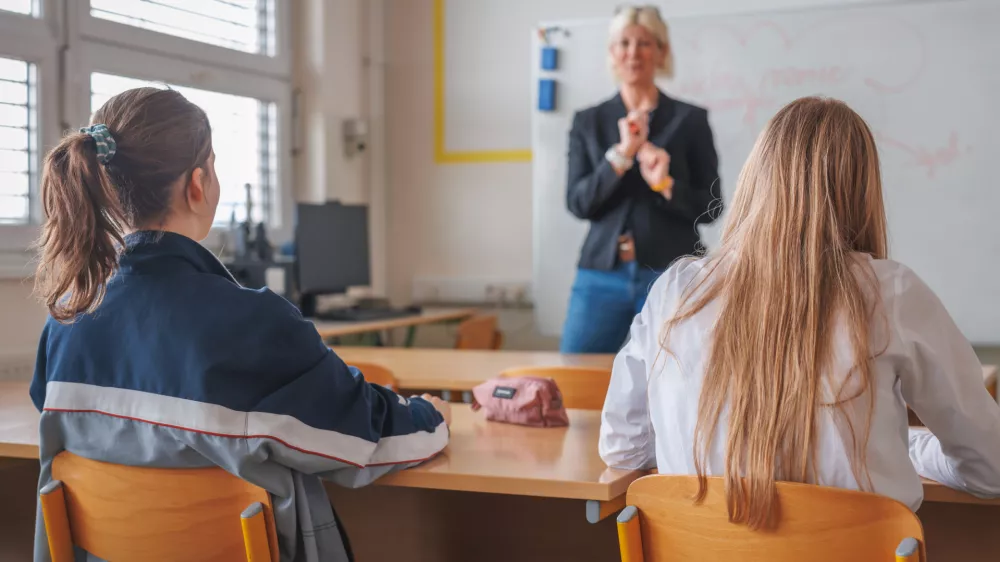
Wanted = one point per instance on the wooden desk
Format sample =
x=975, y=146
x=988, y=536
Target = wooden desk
x=458, y=370
x=499, y=458
x=329, y=329
x=529, y=482
x=540, y=485
x=497, y=493
x=461, y=370
x=18, y=422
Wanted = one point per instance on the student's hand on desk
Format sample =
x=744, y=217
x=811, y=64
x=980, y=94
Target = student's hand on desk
x=654, y=165
x=441, y=406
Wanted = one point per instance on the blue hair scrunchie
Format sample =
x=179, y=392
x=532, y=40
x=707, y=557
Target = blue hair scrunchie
x=106, y=145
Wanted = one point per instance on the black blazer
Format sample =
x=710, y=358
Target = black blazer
x=663, y=230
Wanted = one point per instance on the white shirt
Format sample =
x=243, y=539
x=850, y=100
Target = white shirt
x=652, y=404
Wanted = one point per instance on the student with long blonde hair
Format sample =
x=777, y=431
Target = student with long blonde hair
x=791, y=352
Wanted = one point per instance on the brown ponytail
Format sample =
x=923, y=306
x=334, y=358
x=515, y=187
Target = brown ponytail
x=89, y=206
x=83, y=230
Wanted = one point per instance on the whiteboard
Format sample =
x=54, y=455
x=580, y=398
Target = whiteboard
x=925, y=76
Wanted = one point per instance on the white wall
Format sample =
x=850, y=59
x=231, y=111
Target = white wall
x=21, y=318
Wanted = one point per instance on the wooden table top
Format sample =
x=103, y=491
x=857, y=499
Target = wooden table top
x=482, y=456
x=18, y=422
x=458, y=370
x=508, y=459
x=328, y=329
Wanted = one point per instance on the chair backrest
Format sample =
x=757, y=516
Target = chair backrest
x=377, y=374
x=818, y=524
x=118, y=512
x=479, y=332
x=583, y=388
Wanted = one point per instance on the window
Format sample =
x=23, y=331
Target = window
x=243, y=25
x=28, y=7
x=243, y=136
x=231, y=57
x=18, y=140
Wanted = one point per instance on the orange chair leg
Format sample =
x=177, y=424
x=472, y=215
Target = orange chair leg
x=908, y=550
x=255, y=533
x=629, y=535
x=53, y=501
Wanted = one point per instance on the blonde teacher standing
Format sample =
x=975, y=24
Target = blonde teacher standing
x=644, y=172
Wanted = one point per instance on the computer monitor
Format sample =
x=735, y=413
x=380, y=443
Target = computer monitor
x=331, y=249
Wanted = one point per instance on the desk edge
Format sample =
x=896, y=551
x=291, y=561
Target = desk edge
x=513, y=486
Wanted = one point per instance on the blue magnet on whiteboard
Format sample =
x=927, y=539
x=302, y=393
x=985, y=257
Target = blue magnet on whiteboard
x=546, y=94
x=550, y=58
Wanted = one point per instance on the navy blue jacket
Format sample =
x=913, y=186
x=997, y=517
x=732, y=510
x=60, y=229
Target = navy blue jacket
x=181, y=367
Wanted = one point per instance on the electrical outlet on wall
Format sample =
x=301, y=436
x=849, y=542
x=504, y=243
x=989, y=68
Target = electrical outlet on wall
x=519, y=295
x=463, y=290
x=496, y=295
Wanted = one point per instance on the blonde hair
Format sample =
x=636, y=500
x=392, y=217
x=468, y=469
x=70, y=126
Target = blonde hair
x=649, y=18
x=808, y=197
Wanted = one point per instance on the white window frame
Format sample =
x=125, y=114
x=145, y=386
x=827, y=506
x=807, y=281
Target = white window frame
x=67, y=44
x=106, y=59
x=115, y=48
x=34, y=40
x=143, y=40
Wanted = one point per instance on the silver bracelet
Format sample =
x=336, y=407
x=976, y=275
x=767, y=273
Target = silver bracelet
x=617, y=159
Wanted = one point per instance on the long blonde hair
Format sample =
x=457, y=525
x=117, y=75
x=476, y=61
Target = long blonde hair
x=809, y=196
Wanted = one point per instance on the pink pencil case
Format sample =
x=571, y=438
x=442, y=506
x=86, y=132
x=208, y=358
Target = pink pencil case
x=531, y=401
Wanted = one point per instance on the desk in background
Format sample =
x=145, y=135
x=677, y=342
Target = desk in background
x=18, y=422
x=459, y=371
x=333, y=330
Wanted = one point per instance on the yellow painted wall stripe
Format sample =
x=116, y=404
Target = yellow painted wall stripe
x=441, y=153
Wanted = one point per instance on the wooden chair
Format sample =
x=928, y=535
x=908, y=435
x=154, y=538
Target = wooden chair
x=377, y=374
x=662, y=523
x=118, y=512
x=479, y=332
x=583, y=388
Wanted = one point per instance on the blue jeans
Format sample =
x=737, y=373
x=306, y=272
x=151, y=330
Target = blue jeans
x=602, y=306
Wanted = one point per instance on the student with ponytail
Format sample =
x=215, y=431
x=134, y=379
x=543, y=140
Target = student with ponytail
x=155, y=356
x=791, y=352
